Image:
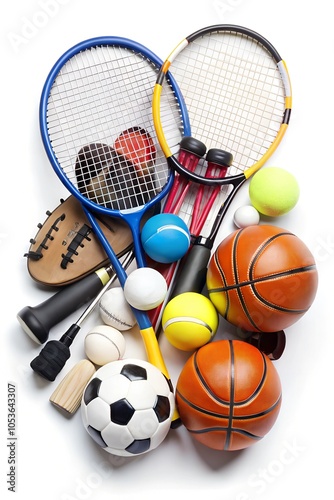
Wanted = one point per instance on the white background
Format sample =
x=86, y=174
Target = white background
x=56, y=459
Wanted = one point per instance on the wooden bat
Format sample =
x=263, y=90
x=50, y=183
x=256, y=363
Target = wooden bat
x=68, y=394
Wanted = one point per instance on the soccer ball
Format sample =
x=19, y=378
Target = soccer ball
x=127, y=407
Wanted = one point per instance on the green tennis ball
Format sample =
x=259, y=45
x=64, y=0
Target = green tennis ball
x=273, y=191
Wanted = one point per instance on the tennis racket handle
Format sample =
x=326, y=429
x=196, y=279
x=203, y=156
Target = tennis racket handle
x=192, y=276
x=37, y=321
x=153, y=352
x=51, y=360
x=154, y=356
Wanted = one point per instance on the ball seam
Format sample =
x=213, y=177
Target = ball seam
x=113, y=317
x=107, y=338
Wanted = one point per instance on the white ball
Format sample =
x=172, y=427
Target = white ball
x=145, y=288
x=104, y=344
x=115, y=310
x=245, y=216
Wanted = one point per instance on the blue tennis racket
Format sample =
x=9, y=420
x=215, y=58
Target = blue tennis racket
x=97, y=129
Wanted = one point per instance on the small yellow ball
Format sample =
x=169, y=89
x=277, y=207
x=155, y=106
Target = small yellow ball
x=189, y=321
x=273, y=191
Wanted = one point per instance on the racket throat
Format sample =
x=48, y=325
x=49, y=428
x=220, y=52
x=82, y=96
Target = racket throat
x=203, y=241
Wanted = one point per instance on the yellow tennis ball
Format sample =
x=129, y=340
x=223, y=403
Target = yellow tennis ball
x=273, y=191
x=189, y=321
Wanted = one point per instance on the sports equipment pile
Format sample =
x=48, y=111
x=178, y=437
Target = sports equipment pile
x=133, y=138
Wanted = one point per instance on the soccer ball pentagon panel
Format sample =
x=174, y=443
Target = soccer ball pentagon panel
x=127, y=407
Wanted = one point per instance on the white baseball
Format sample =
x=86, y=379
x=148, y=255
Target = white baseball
x=115, y=310
x=104, y=344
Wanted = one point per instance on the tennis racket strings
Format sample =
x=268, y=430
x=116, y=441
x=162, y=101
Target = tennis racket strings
x=237, y=91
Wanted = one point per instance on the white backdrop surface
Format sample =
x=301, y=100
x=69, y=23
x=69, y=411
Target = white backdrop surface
x=55, y=458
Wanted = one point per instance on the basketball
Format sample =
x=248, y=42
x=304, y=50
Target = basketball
x=262, y=278
x=228, y=395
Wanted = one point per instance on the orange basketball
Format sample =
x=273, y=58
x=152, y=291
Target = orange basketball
x=228, y=395
x=262, y=278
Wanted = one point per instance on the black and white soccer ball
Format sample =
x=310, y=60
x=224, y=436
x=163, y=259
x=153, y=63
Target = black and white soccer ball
x=127, y=407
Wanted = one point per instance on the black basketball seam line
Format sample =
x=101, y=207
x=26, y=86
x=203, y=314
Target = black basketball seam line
x=237, y=282
x=245, y=309
x=204, y=383
x=234, y=257
x=236, y=277
x=261, y=413
x=226, y=417
x=263, y=247
x=220, y=270
x=275, y=307
x=260, y=384
x=236, y=274
x=299, y=270
x=238, y=287
x=222, y=401
x=266, y=303
x=232, y=387
x=199, y=408
x=278, y=275
x=224, y=429
x=268, y=278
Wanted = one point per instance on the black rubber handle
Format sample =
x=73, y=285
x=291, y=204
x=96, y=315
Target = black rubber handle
x=37, y=321
x=70, y=335
x=192, y=277
x=51, y=359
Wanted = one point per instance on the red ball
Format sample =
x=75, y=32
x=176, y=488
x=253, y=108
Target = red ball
x=262, y=278
x=228, y=395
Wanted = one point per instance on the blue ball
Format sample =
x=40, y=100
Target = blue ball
x=165, y=238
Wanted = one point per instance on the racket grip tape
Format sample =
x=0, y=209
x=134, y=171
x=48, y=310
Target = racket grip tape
x=51, y=360
x=192, y=276
x=37, y=321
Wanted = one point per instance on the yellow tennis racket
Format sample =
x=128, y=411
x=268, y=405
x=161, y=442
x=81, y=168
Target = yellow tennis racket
x=238, y=95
